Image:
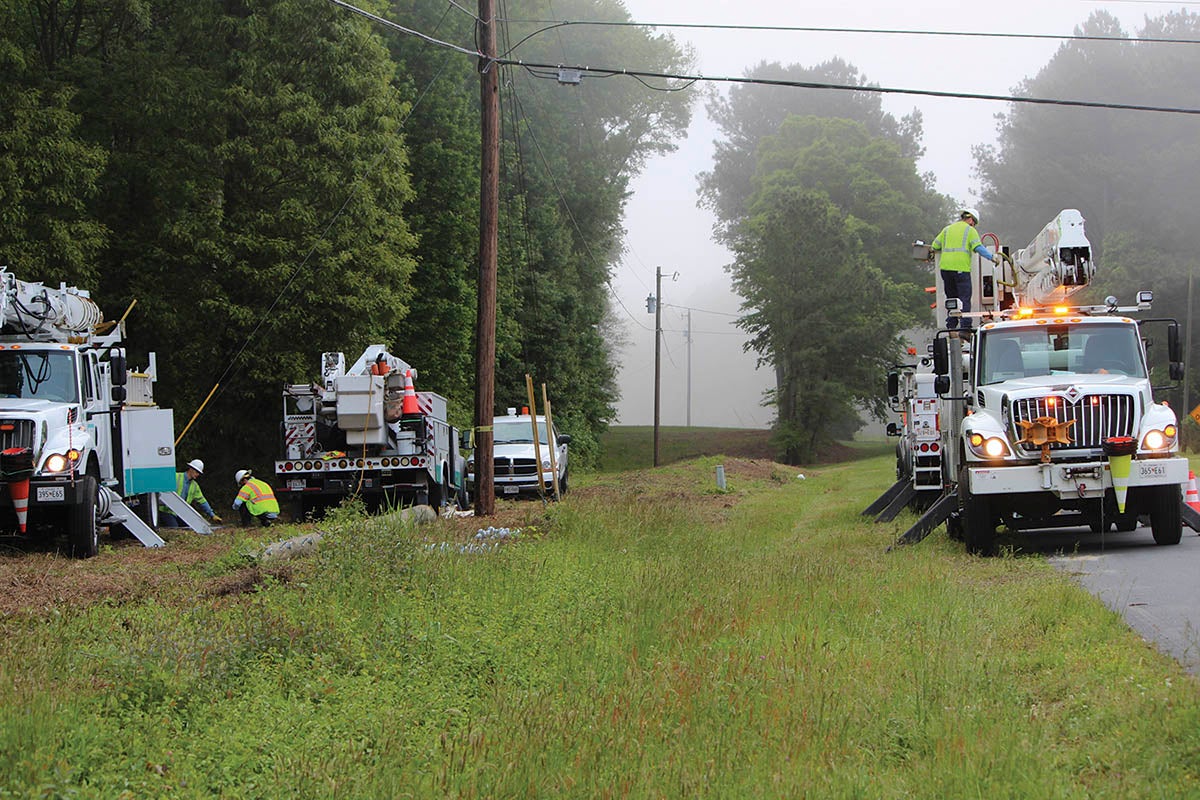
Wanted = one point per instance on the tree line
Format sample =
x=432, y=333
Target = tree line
x=819, y=197
x=272, y=179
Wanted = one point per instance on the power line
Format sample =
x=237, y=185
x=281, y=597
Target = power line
x=704, y=311
x=608, y=72
x=396, y=26
x=554, y=70
x=1072, y=37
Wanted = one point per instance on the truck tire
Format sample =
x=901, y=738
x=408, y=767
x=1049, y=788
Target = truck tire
x=82, y=532
x=1166, y=516
x=977, y=520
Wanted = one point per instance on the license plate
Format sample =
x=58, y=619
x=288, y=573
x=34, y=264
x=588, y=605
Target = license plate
x=296, y=484
x=1148, y=469
x=51, y=494
x=511, y=489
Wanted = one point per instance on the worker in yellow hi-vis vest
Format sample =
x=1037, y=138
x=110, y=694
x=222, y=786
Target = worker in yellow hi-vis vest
x=956, y=242
x=255, y=501
x=187, y=486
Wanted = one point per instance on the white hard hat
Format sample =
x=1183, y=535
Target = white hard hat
x=197, y=465
x=970, y=211
x=241, y=473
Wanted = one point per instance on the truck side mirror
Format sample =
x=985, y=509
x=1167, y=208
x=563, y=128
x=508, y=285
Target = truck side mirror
x=564, y=438
x=464, y=440
x=941, y=356
x=893, y=384
x=1174, y=345
x=117, y=369
x=893, y=429
x=118, y=394
x=941, y=384
x=1176, y=370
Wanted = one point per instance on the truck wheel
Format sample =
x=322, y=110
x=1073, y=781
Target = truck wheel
x=1166, y=516
x=82, y=532
x=978, y=522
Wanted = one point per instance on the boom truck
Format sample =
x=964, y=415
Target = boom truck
x=365, y=431
x=82, y=443
x=1048, y=417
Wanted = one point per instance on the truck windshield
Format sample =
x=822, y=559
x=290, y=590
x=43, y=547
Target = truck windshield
x=1063, y=349
x=518, y=432
x=39, y=375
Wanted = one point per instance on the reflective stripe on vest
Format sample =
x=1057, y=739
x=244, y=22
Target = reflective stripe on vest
x=260, y=491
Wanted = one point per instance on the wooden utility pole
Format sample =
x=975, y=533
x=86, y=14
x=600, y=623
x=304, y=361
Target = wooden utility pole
x=657, y=352
x=489, y=210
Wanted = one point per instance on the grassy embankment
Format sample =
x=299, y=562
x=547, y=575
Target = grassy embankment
x=651, y=638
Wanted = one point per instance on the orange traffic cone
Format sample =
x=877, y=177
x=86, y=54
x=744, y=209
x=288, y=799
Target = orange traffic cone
x=19, y=490
x=409, y=407
x=1192, y=497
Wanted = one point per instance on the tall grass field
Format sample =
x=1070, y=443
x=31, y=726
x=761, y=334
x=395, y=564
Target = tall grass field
x=649, y=636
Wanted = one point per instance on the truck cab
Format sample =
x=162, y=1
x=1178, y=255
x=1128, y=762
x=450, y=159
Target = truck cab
x=1052, y=396
x=516, y=459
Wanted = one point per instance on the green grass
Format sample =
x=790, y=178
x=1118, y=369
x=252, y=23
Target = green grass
x=647, y=640
x=632, y=447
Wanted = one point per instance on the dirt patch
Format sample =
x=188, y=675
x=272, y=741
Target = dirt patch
x=248, y=580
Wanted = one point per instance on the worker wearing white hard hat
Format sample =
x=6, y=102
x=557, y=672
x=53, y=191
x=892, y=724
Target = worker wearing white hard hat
x=255, y=501
x=956, y=243
x=188, y=487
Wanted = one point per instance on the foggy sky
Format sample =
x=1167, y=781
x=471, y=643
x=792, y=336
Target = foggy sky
x=666, y=229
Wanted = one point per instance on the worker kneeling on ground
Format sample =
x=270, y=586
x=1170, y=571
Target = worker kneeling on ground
x=187, y=486
x=255, y=502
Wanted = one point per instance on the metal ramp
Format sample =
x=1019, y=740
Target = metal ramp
x=124, y=516
x=121, y=514
x=898, y=503
x=188, y=515
x=1191, y=517
x=884, y=499
x=937, y=513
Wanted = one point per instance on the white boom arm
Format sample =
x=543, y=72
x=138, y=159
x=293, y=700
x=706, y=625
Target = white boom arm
x=1056, y=264
x=35, y=311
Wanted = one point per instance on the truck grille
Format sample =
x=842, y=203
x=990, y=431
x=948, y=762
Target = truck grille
x=1097, y=417
x=16, y=433
x=510, y=467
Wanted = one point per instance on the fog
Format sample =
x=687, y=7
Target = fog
x=666, y=229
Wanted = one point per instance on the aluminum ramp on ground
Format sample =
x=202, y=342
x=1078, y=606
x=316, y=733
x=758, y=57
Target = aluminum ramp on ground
x=188, y=515
x=123, y=515
x=882, y=501
x=898, y=504
x=937, y=513
x=1191, y=517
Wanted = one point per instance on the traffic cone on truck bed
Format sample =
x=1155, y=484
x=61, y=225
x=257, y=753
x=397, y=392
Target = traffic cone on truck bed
x=409, y=407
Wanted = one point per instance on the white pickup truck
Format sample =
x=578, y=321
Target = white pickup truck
x=516, y=459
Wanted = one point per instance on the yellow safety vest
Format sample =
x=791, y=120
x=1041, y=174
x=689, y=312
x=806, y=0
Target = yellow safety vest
x=258, y=497
x=957, y=259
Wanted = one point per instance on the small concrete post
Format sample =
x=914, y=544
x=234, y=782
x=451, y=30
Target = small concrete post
x=721, y=477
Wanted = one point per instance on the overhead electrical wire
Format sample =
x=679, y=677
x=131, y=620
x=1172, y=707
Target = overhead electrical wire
x=608, y=72
x=551, y=24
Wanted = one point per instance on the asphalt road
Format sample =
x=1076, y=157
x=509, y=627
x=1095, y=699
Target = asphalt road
x=1155, y=589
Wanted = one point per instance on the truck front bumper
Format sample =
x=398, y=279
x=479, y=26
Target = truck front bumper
x=1072, y=480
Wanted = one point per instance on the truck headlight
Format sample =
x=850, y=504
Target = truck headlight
x=59, y=462
x=1160, y=440
x=987, y=447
